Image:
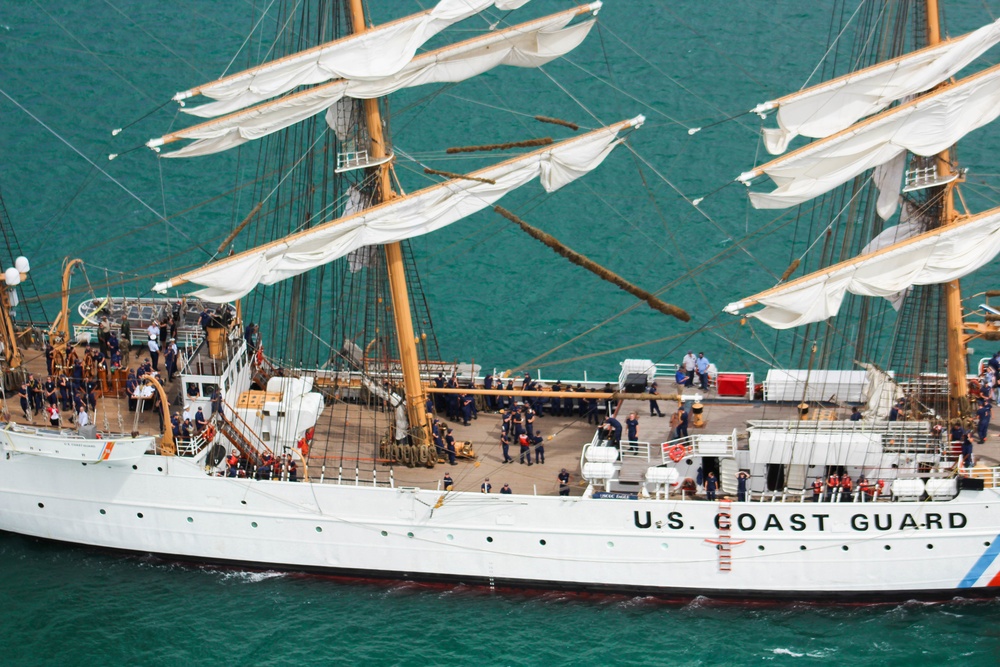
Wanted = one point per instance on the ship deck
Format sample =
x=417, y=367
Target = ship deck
x=564, y=440
x=330, y=460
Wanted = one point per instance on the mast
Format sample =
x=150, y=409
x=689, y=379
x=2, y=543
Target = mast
x=407, y=343
x=957, y=366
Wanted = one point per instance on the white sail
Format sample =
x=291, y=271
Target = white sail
x=373, y=54
x=934, y=257
x=835, y=105
x=530, y=44
x=420, y=213
x=926, y=126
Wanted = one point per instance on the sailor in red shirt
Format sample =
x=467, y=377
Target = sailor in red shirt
x=832, y=485
x=817, y=489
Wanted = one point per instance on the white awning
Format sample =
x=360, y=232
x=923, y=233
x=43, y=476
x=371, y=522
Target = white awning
x=530, y=44
x=405, y=217
x=835, y=105
x=373, y=54
x=930, y=258
x=926, y=126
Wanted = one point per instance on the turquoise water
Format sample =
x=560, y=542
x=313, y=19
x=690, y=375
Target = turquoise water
x=86, y=67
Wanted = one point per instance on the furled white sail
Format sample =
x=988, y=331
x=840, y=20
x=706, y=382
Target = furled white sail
x=934, y=257
x=420, y=213
x=835, y=105
x=530, y=44
x=925, y=126
x=376, y=53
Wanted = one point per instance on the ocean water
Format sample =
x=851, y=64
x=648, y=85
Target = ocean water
x=74, y=71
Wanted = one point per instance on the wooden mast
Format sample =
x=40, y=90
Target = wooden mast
x=407, y=342
x=957, y=365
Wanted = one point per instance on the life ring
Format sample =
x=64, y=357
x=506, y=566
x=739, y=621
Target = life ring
x=676, y=453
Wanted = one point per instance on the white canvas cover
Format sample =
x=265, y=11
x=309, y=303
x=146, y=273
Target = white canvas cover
x=792, y=385
x=420, y=213
x=881, y=392
x=835, y=105
x=531, y=44
x=926, y=126
x=933, y=257
x=376, y=53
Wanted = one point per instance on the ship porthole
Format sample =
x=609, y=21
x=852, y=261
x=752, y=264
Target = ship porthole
x=159, y=469
x=489, y=539
x=319, y=529
x=253, y=524
x=888, y=547
x=190, y=519
x=845, y=547
x=139, y=514
x=986, y=544
x=41, y=505
x=409, y=534
x=802, y=548
x=760, y=547
x=135, y=467
x=451, y=538
x=385, y=534
x=103, y=512
x=930, y=546
x=663, y=545
x=542, y=542
x=611, y=545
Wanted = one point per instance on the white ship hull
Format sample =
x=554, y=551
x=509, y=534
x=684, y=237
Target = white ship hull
x=170, y=507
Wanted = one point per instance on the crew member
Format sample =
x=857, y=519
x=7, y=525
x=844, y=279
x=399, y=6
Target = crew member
x=449, y=441
x=563, y=482
x=741, y=485
x=817, y=489
x=632, y=425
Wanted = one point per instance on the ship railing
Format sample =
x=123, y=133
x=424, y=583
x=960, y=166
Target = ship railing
x=989, y=475
x=190, y=446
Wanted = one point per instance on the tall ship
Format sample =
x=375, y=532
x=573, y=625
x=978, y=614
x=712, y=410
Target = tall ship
x=320, y=427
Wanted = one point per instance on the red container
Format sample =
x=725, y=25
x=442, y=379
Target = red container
x=731, y=384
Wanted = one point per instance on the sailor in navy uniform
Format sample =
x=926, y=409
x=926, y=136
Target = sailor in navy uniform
x=613, y=427
x=438, y=438
x=439, y=402
x=711, y=484
x=654, y=407
x=449, y=441
x=563, y=482
x=529, y=422
x=505, y=489
x=22, y=394
x=555, y=403
x=486, y=487
x=741, y=485
x=505, y=446
x=452, y=399
x=632, y=424
x=467, y=403
x=491, y=401
x=538, y=442
x=447, y=483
